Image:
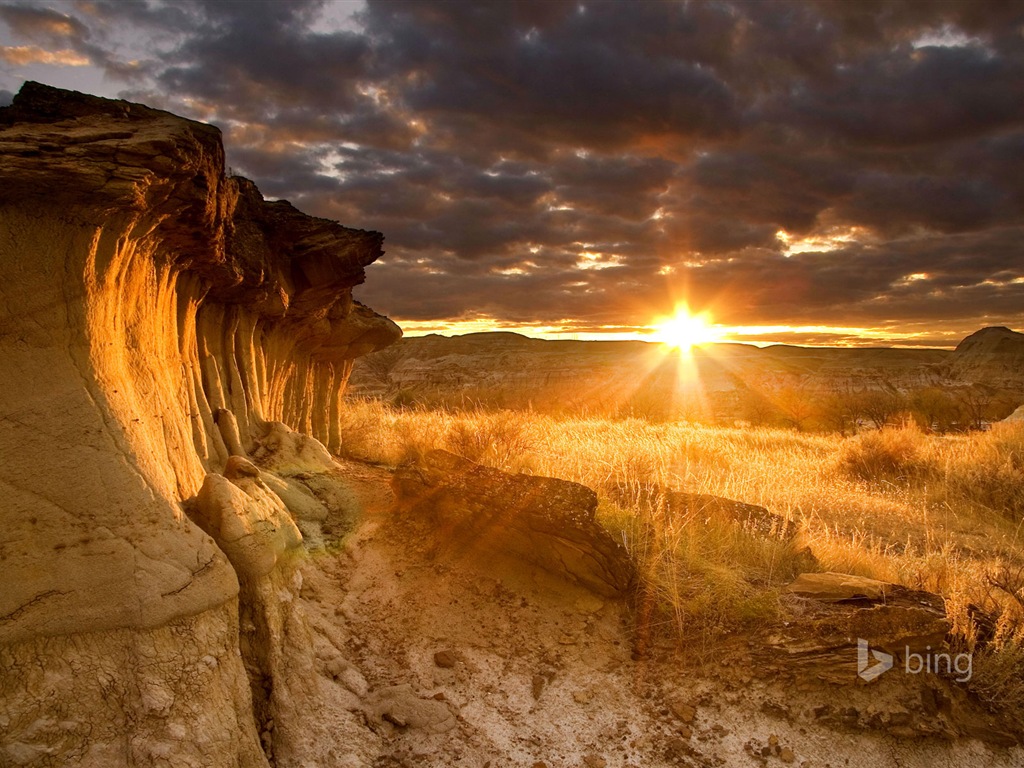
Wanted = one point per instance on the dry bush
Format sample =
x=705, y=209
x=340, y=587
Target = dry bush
x=998, y=676
x=984, y=469
x=998, y=672
x=979, y=470
x=496, y=439
x=883, y=454
x=375, y=432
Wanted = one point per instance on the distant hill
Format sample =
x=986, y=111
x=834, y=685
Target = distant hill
x=992, y=355
x=513, y=370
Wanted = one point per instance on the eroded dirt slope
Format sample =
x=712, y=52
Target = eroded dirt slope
x=444, y=661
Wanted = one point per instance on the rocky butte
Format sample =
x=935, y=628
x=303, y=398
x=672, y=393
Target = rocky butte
x=156, y=318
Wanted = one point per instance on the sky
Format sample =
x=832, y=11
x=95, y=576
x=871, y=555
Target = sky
x=804, y=172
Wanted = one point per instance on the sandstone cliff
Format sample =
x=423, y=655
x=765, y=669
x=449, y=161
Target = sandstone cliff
x=156, y=318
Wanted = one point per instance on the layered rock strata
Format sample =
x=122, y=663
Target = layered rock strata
x=157, y=317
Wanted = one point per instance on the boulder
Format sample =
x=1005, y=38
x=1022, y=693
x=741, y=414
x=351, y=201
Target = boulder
x=400, y=706
x=286, y=452
x=542, y=520
x=1016, y=416
x=249, y=523
x=704, y=507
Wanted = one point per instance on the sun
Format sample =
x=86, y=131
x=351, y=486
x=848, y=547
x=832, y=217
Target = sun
x=685, y=329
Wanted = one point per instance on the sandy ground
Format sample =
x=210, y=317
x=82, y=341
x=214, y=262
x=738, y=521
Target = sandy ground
x=444, y=662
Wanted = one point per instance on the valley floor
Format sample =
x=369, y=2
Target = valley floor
x=434, y=660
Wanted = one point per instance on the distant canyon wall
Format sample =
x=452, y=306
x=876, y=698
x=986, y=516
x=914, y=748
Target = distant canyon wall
x=156, y=317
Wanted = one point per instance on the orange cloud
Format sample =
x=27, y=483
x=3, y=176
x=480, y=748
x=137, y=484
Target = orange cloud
x=32, y=54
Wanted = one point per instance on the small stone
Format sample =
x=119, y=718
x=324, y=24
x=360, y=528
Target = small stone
x=352, y=679
x=900, y=718
x=684, y=712
x=444, y=659
x=773, y=709
x=594, y=761
x=589, y=604
x=336, y=667
x=581, y=697
x=786, y=755
x=539, y=764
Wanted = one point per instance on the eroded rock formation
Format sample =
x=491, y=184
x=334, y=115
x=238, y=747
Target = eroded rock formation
x=156, y=318
x=542, y=520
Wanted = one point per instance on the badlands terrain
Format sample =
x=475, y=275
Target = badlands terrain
x=193, y=577
x=634, y=377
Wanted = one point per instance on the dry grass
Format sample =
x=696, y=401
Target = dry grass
x=983, y=472
x=931, y=512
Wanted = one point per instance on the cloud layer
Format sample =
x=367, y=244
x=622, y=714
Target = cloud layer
x=587, y=164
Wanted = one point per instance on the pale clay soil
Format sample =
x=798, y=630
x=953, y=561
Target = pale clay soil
x=430, y=660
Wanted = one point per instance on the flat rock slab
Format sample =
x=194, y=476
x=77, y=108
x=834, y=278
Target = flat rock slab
x=542, y=520
x=833, y=611
x=846, y=588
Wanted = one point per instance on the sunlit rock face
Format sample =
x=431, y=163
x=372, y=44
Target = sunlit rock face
x=142, y=292
x=994, y=355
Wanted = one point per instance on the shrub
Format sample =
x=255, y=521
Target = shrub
x=498, y=439
x=883, y=454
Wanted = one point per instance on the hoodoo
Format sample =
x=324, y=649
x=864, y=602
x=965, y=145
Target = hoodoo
x=157, y=317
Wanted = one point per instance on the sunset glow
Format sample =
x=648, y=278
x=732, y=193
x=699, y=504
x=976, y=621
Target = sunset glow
x=543, y=204
x=686, y=329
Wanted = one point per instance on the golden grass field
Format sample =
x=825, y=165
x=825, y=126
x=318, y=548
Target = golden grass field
x=941, y=513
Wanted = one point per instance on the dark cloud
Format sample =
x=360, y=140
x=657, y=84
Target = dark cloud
x=260, y=60
x=42, y=25
x=523, y=75
x=590, y=163
x=909, y=96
